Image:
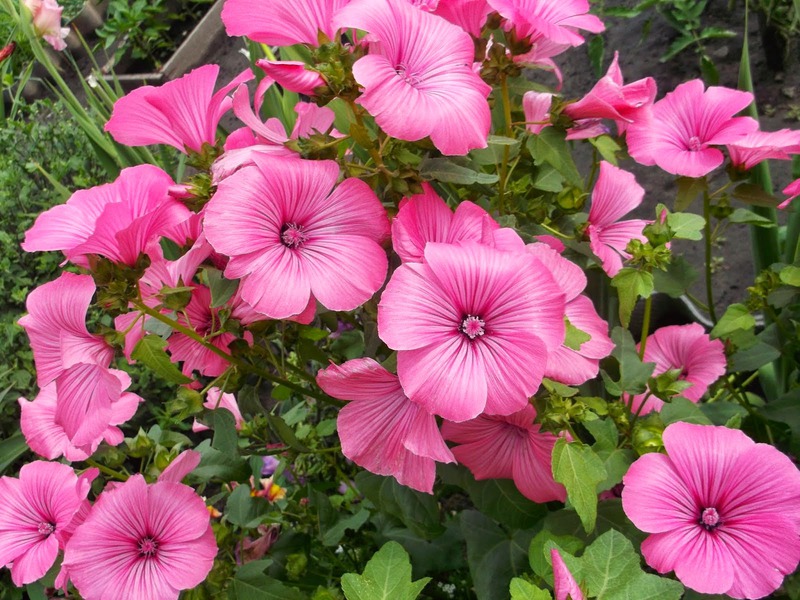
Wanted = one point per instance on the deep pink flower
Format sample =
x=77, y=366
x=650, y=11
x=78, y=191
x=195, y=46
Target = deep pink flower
x=510, y=447
x=792, y=191
x=557, y=21
x=418, y=79
x=292, y=75
x=117, y=220
x=291, y=235
x=282, y=23
x=723, y=511
x=183, y=113
x=426, y=218
x=473, y=327
x=46, y=16
x=470, y=15
x=685, y=124
x=690, y=349
x=615, y=194
x=142, y=542
x=215, y=398
x=380, y=428
x=762, y=145
x=56, y=326
x=34, y=514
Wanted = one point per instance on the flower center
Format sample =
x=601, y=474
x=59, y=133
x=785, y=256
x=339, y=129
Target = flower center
x=147, y=547
x=293, y=236
x=472, y=326
x=695, y=144
x=46, y=528
x=410, y=78
x=709, y=519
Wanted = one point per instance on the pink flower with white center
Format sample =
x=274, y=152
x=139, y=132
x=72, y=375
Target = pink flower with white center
x=292, y=236
x=610, y=99
x=35, y=512
x=56, y=326
x=700, y=359
x=282, y=23
x=380, y=428
x=417, y=78
x=426, y=218
x=46, y=16
x=762, y=145
x=792, y=191
x=510, y=447
x=74, y=413
x=142, y=542
x=473, y=327
x=723, y=511
x=470, y=15
x=117, y=220
x=615, y=194
x=564, y=585
x=183, y=113
x=557, y=21
x=685, y=125
x=292, y=75
x=216, y=398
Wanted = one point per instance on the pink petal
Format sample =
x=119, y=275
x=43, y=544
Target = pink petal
x=565, y=586
x=283, y=23
x=179, y=468
x=292, y=75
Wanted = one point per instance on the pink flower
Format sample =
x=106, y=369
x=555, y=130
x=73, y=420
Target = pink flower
x=792, y=191
x=142, y=542
x=34, y=514
x=564, y=584
x=470, y=15
x=292, y=75
x=418, y=79
x=615, y=194
x=183, y=113
x=536, y=106
x=184, y=463
x=116, y=220
x=685, y=124
x=47, y=22
x=688, y=348
x=762, y=145
x=723, y=511
x=557, y=21
x=215, y=398
x=510, y=447
x=56, y=326
x=282, y=23
x=380, y=428
x=610, y=99
x=473, y=327
x=291, y=236
x=77, y=411
x=426, y=218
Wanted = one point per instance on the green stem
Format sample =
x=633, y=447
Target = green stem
x=106, y=470
x=501, y=184
x=707, y=235
x=648, y=308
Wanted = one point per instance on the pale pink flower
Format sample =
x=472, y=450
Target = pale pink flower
x=292, y=236
x=56, y=326
x=35, y=512
x=380, y=428
x=564, y=585
x=426, y=218
x=470, y=15
x=762, y=145
x=216, y=398
x=557, y=21
x=292, y=75
x=183, y=113
x=723, y=511
x=792, y=191
x=283, y=23
x=47, y=22
x=615, y=194
x=536, y=107
x=142, y=542
x=74, y=413
x=611, y=99
x=417, y=78
x=510, y=447
x=117, y=220
x=684, y=126
x=700, y=359
x=473, y=327
x=184, y=463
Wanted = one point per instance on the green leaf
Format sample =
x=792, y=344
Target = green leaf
x=387, y=576
x=709, y=70
x=151, y=351
x=539, y=553
x=737, y=317
x=632, y=371
x=681, y=409
x=604, y=432
x=216, y=464
x=285, y=433
x=334, y=535
x=686, y=226
x=443, y=554
x=631, y=285
x=250, y=583
x=679, y=277
x=742, y=215
x=677, y=47
x=785, y=409
x=754, y=357
x=688, y=189
x=245, y=510
x=548, y=179
x=607, y=147
x=550, y=147
x=11, y=449
x=753, y=194
x=616, y=461
x=222, y=289
x=226, y=440
x=580, y=470
x=790, y=275
x=597, y=51
x=523, y=590
x=496, y=148
x=417, y=511
x=447, y=171
x=575, y=337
